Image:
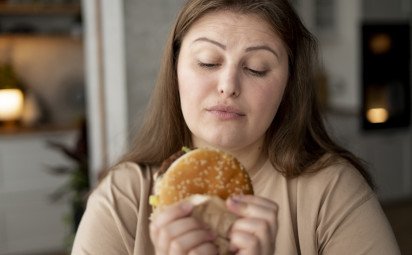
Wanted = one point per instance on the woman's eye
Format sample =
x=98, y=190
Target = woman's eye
x=256, y=72
x=207, y=65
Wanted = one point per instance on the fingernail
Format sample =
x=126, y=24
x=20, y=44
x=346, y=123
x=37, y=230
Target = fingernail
x=235, y=199
x=236, y=203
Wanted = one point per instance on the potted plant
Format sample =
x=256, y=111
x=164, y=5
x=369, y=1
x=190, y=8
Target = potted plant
x=77, y=188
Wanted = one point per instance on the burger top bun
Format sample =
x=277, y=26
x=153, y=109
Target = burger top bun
x=202, y=171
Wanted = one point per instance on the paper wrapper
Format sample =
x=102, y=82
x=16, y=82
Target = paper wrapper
x=212, y=211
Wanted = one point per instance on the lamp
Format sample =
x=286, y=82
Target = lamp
x=11, y=95
x=11, y=104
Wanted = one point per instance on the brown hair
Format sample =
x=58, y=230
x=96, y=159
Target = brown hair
x=296, y=139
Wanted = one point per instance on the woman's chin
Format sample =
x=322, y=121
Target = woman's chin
x=222, y=143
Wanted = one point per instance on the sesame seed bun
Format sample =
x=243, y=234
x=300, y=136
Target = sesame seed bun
x=202, y=171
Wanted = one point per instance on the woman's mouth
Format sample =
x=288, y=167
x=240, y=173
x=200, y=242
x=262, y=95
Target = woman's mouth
x=224, y=112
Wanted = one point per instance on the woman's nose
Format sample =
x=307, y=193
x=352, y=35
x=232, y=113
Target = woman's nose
x=229, y=83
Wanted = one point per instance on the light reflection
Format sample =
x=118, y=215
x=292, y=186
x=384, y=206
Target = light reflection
x=377, y=115
x=380, y=44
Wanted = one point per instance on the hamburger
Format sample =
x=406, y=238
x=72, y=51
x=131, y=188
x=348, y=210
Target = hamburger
x=206, y=178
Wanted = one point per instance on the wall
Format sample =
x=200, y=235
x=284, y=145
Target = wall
x=340, y=52
x=338, y=48
x=147, y=25
x=386, y=9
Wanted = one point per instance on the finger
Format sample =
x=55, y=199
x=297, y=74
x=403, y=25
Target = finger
x=204, y=249
x=244, y=243
x=260, y=201
x=253, y=210
x=169, y=214
x=173, y=212
x=174, y=229
x=256, y=227
x=188, y=241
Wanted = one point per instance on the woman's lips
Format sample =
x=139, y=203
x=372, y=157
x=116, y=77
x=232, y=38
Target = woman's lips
x=224, y=112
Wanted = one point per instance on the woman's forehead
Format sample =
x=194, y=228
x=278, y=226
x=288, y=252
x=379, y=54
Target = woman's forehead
x=234, y=29
x=227, y=25
x=231, y=19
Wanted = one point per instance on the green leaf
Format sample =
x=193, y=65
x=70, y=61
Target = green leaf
x=186, y=149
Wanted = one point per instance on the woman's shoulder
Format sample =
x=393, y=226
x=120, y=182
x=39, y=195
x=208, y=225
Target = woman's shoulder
x=117, y=209
x=339, y=181
x=127, y=179
x=337, y=172
x=338, y=205
x=130, y=172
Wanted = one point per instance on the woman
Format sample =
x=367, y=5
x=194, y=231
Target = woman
x=237, y=75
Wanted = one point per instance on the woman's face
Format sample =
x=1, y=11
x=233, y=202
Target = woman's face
x=232, y=72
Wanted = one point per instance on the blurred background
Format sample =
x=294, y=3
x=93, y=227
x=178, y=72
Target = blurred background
x=76, y=75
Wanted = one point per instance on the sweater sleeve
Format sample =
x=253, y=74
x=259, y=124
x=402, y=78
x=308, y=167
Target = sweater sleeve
x=350, y=218
x=109, y=223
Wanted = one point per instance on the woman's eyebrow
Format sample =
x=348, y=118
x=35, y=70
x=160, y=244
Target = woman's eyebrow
x=252, y=48
x=205, y=39
x=263, y=47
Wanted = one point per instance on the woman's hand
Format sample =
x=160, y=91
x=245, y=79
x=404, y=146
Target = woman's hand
x=174, y=231
x=255, y=232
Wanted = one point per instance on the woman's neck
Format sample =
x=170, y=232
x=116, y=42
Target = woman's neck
x=252, y=159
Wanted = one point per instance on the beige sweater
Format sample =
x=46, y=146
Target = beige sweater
x=332, y=211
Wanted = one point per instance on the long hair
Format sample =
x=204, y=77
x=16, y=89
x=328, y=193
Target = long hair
x=296, y=140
